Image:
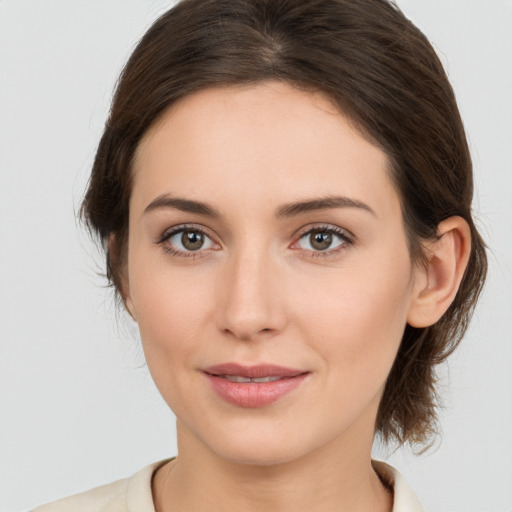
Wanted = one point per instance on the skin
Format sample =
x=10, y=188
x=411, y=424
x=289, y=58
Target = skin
x=258, y=291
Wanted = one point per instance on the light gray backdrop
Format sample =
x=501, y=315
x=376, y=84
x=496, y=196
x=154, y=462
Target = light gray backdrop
x=78, y=408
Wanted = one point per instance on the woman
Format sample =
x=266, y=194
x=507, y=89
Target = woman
x=283, y=190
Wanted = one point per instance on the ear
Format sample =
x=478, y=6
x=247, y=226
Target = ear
x=121, y=280
x=128, y=304
x=437, y=283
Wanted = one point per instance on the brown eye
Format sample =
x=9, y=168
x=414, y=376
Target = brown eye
x=320, y=240
x=183, y=241
x=192, y=240
x=324, y=239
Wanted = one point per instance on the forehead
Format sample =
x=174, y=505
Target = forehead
x=263, y=143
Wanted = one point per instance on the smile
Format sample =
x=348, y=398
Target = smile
x=238, y=378
x=253, y=386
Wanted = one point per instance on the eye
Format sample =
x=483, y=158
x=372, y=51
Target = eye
x=324, y=239
x=183, y=240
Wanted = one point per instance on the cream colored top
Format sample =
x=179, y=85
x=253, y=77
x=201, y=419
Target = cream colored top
x=134, y=494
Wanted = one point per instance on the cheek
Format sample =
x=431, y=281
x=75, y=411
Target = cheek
x=173, y=315
x=356, y=317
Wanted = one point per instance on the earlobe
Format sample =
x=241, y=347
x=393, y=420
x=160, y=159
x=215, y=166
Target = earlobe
x=438, y=282
x=128, y=304
x=121, y=281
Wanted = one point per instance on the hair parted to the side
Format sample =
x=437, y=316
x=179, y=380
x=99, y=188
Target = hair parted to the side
x=381, y=72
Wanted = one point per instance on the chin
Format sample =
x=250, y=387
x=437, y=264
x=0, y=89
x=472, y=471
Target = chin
x=259, y=454
x=260, y=445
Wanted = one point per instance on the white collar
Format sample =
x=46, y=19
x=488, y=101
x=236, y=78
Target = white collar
x=139, y=497
x=404, y=498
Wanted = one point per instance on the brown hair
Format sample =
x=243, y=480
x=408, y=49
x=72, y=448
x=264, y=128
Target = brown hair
x=381, y=71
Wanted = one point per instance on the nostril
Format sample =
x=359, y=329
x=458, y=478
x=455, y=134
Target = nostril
x=247, y=335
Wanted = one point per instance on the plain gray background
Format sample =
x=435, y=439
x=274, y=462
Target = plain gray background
x=77, y=405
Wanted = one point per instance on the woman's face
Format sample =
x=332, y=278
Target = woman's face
x=266, y=241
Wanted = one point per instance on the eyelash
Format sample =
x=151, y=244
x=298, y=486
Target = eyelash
x=346, y=239
x=343, y=235
x=180, y=229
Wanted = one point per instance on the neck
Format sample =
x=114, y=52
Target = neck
x=334, y=477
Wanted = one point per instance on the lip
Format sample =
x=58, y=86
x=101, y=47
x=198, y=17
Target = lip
x=253, y=394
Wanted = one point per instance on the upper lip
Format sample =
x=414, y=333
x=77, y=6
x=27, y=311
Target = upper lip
x=253, y=371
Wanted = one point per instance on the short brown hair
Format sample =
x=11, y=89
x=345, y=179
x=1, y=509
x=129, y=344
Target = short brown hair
x=381, y=71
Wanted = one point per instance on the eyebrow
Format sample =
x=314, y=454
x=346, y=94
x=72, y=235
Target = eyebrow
x=185, y=205
x=321, y=203
x=288, y=210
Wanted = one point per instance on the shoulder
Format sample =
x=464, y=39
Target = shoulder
x=111, y=497
x=132, y=493
x=404, y=498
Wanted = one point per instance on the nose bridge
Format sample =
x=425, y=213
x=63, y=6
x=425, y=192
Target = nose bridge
x=250, y=302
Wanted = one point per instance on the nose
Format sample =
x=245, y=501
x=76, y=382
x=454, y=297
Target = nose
x=251, y=296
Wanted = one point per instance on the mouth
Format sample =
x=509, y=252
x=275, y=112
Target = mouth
x=253, y=386
x=239, y=378
x=254, y=372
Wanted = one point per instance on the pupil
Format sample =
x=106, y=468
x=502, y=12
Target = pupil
x=192, y=240
x=321, y=240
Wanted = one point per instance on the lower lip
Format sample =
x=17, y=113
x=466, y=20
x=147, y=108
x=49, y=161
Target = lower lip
x=254, y=394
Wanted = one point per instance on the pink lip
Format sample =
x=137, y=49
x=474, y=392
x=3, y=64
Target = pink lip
x=253, y=394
